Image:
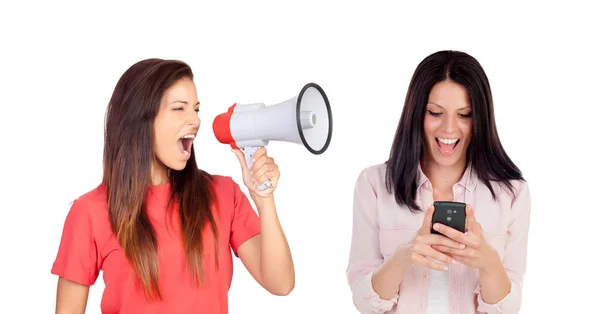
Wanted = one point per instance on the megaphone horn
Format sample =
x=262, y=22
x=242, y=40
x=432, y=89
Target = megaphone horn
x=304, y=119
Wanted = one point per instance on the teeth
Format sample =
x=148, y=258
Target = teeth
x=447, y=141
x=189, y=136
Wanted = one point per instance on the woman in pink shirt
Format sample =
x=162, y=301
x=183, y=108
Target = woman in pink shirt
x=446, y=148
x=161, y=230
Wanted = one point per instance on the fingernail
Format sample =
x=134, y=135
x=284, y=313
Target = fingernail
x=462, y=246
x=436, y=227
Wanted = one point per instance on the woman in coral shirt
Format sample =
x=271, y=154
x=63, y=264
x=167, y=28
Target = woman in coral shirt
x=446, y=148
x=160, y=229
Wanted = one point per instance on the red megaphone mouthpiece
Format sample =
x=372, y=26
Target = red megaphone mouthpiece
x=221, y=128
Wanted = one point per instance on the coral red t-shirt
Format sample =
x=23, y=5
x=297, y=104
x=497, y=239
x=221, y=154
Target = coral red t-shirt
x=88, y=246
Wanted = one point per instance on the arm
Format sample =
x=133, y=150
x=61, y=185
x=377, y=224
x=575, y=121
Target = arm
x=500, y=286
x=76, y=261
x=374, y=284
x=387, y=278
x=267, y=256
x=71, y=297
x=494, y=284
x=261, y=243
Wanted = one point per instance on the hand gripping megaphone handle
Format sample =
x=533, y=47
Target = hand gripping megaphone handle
x=249, y=152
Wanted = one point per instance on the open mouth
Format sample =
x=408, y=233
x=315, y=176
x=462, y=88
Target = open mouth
x=447, y=145
x=185, y=143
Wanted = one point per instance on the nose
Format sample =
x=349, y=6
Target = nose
x=450, y=123
x=193, y=120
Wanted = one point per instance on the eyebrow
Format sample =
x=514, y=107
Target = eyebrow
x=183, y=102
x=431, y=102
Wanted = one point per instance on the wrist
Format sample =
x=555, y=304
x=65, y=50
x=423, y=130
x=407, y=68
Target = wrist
x=401, y=257
x=494, y=266
x=262, y=202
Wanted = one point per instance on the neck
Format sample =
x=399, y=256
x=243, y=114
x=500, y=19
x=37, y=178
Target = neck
x=158, y=174
x=443, y=177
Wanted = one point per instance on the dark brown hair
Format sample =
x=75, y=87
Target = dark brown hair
x=485, y=152
x=128, y=156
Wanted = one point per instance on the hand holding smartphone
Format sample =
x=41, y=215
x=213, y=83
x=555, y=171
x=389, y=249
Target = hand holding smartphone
x=420, y=251
x=451, y=214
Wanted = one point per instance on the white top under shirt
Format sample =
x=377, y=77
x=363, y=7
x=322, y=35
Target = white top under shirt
x=438, y=299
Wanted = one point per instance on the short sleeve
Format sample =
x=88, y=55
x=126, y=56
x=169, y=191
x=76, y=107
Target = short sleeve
x=76, y=259
x=245, y=223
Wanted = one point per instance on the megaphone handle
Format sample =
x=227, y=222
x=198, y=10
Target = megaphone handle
x=249, y=152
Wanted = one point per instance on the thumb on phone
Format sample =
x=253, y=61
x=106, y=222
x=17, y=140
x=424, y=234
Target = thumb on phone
x=426, y=227
x=472, y=226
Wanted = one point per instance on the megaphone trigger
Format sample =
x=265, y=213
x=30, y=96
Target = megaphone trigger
x=248, y=153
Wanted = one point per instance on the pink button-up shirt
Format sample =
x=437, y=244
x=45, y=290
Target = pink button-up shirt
x=380, y=226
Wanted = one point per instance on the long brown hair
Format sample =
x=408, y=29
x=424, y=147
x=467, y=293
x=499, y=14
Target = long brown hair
x=128, y=156
x=485, y=152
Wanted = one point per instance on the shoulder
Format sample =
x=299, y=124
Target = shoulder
x=226, y=190
x=88, y=212
x=219, y=183
x=372, y=176
x=373, y=171
x=222, y=183
x=519, y=186
x=93, y=202
x=517, y=189
x=521, y=190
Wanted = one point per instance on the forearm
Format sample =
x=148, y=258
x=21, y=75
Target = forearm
x=386, y=280
x=494, y=282
x=276, y=264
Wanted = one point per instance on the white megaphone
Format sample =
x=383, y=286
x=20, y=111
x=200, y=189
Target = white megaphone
x=304, y=119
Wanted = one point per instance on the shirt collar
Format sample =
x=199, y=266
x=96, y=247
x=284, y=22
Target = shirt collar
x=468, y=180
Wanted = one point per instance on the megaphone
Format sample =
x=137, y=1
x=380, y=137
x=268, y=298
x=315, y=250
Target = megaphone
x=304, y=119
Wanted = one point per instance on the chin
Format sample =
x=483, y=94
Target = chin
x=179, y=166
x=176, y=165
x=175, y=162
x=446, y=161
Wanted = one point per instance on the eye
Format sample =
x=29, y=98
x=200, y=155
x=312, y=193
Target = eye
x=435, y=114
x=468, y=115
x=197, y=110
x=178, y=109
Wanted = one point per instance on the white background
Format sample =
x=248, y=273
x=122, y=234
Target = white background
x=60, y=62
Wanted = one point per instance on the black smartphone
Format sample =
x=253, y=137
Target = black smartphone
x=451, y=214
